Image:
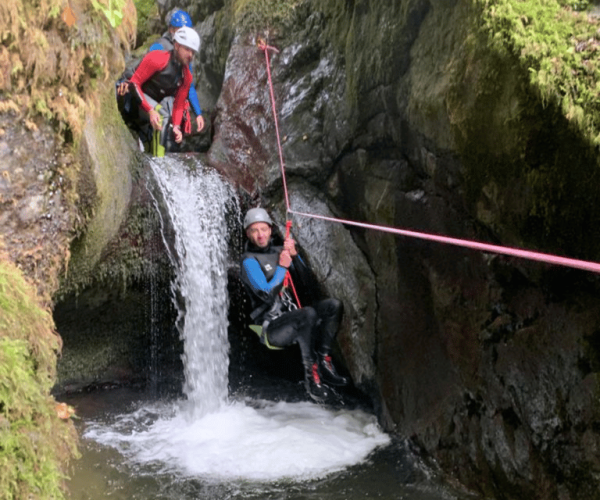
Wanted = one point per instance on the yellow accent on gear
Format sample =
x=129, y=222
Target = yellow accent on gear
x=158, y=149
x=258, y=329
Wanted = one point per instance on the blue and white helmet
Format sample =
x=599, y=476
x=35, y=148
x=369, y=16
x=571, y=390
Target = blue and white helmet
x=180, y=18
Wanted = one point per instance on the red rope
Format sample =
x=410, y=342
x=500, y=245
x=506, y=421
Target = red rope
x=263, y=46
x=287, y=281
x=485, y=247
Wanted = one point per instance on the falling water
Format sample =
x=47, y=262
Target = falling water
x=196, y=202
x=207, y=436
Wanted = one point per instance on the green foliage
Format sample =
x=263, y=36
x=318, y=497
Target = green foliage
x=579, y=5
x=35, y=444
x=260, y=15
x=57, y=52
x=113, y=11
x=557, y=46
x=147, y=11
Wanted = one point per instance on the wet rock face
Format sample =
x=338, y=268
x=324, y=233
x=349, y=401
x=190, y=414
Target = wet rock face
x=118, y=319
x=35, y=216
x=488, y=363
x=118, y=337
x=243, y=149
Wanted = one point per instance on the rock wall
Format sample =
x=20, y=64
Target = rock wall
x=403, y=115
x=398, y=114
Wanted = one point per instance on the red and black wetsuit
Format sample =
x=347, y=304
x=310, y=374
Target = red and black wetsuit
x=160, y=75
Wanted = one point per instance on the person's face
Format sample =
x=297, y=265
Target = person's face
x=183, y=54
x=259, y=234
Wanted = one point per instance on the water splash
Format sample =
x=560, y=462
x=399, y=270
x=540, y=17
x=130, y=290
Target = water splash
x=208, y=437
x=257, y=441
x=196, y=201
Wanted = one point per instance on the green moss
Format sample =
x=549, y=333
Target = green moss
x=113, y=11
x=556, y=46
x=147, y=13
x=35, y=445
x=262, y=15
x=56, y=57
x=523, y=104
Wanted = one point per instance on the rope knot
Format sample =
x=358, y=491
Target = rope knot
x=262, y=45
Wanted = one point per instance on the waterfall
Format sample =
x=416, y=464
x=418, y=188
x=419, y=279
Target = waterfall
x=206, y=437
x=196, y=201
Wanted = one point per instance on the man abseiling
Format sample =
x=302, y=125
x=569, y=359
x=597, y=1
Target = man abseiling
x=313, y=327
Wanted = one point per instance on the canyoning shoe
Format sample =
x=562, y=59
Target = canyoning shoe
x=329, y=374
x=312, y=382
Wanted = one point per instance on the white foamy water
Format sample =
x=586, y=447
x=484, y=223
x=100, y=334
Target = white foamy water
x=196, y=203
x=207, y=436
x=264, y=441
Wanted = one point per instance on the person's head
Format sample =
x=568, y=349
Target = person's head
x=186, y=42
x=257, y=225
x=180, y=19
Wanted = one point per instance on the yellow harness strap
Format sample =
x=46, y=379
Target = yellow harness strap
x=258, y=329
x=158, y=149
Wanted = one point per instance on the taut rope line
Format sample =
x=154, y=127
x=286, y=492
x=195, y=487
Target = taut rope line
x=476, y=245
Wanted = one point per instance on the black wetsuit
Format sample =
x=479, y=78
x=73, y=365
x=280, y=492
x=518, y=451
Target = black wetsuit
x=313, y=327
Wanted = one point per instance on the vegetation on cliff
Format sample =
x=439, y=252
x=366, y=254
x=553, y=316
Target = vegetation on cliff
x=557, y=46
x=53, y=55
x=262, y=15
x=147, y=17
x=546, y=147
x=35, y=444
x=56, y=59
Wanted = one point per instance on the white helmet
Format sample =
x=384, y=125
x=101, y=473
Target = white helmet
x=256, y=215
x=188, y=38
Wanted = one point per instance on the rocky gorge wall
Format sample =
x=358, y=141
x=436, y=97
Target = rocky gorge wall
x=402, y=114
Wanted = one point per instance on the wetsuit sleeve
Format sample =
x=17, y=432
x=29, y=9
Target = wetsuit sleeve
x=181, y=96
x=156, y=46
x=151, y=63
x=193, y=96
x=298, y=264
x=258, y=281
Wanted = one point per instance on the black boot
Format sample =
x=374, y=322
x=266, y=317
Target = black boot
x=313, y=385
x=329, y=375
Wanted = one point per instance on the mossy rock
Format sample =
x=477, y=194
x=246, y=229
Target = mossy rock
x=35, y=444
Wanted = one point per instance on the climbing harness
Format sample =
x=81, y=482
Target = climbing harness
x=476, y=245
x=158, y=149
x=259, y=330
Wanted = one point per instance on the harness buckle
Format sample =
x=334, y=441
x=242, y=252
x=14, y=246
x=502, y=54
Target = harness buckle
x=287, y=300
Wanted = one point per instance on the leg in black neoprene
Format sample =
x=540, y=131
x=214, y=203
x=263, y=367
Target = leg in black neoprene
x=298, y=327
x=330, y=315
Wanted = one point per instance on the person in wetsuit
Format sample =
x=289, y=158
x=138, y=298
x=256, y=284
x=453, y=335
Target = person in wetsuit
x=180, y=19
x=314, y=328
x=160, y=75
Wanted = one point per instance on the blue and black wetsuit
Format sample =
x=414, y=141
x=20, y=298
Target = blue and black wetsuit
x=313, y=328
